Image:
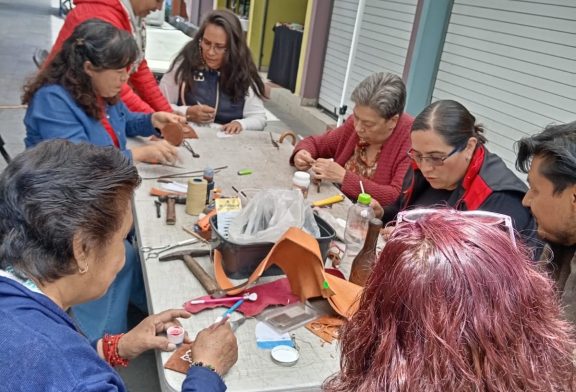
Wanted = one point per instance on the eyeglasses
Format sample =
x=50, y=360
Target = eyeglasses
x=207, y=45
x=487, y=217
x=434, y=159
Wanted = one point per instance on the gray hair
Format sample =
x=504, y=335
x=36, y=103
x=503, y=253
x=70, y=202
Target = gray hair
x=54, y=192
x=383, y=92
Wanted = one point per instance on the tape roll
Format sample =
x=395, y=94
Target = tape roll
x=196, y=197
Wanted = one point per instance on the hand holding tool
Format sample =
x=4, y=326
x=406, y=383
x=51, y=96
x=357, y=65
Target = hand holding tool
x=229, y=311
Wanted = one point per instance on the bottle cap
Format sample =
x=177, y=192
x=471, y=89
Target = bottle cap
x=208, y=172
x=364, y=198
x=302, y=175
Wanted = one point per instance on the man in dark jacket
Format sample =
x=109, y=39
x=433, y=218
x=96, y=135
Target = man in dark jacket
x=549, y=158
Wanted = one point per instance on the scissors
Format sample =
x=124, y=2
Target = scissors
x=154, y=251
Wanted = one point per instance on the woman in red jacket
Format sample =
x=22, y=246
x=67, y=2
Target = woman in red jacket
x=141, y=93
x=369, y=147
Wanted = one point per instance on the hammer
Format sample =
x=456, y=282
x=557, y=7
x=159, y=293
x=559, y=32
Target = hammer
x=205, y=279
x=171, y=201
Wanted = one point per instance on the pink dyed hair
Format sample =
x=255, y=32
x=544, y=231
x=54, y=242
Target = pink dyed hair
x=452, y=306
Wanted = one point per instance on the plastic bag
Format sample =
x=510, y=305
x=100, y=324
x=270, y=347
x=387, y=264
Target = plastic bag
x=269, y=214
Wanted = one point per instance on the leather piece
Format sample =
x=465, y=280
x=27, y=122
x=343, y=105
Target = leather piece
x=326, y=327
x=176, y=363
x=273, y=293
x=297, y=253
x=173, y=133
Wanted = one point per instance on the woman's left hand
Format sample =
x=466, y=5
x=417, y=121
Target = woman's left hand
x=232, y=127
x=144, y=337
x=328, y=170
x=161, y=119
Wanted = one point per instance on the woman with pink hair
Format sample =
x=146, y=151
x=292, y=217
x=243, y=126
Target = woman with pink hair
x=453, y=304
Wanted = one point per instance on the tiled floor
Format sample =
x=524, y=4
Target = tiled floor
x=25, y=26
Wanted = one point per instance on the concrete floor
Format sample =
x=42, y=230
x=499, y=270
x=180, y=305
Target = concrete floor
x=28, y=25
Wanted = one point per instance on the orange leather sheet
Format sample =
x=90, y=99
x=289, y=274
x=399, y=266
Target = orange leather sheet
x=298, y=254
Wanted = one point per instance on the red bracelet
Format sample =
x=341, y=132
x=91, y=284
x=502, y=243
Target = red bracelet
x=110, y=349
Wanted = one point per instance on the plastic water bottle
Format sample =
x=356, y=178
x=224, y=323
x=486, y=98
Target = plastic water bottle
x=359, y=216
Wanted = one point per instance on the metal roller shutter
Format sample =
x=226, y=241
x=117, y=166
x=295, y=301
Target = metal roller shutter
x=382, y=44
x=513, y=65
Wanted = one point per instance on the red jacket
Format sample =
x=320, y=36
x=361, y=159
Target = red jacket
x=144, y=95
x=339, y=144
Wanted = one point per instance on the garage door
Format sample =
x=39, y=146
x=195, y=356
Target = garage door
x=382, y=45
x=513, y=65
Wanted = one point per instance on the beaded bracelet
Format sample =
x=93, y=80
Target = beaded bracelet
x=110, y=348
x=202, y=364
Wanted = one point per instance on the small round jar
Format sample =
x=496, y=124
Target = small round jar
x=301, y=181
x=175, y=334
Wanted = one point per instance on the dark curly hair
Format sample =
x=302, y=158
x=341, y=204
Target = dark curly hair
x=96, y=41
x=238, y=71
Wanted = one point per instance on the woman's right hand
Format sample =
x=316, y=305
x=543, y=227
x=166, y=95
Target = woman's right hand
x=216, y=346
x=303, y=160
x=200, y=114
x=377, y=208
x=156, y=152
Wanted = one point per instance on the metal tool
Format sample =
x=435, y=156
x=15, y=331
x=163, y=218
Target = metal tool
x=158, y=204
x=154, y=251
x=234, y=324
x=274, y=142
x=189, y=148
x=171, y=201
x=205, y=279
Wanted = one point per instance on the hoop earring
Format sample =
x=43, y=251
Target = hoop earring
x=82, y=271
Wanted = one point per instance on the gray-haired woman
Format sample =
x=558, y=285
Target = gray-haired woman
x=64, y=213
x=369, y=147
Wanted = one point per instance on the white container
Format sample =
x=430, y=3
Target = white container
x=301, y=181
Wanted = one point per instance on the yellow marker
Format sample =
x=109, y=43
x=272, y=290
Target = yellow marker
x=328, y=201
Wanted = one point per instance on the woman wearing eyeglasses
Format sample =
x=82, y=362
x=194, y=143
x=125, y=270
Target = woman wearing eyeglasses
x=454, y=305
x=214, y=79
x=451, y=166
x=370, y=147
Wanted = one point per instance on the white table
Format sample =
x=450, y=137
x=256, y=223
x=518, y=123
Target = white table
x=170, y=284
x=162, y=45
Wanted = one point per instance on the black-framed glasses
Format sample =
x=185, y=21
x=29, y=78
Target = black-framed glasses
x=434, y=159
x=207, y=45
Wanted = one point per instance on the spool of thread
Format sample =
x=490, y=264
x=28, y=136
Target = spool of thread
x=196, y=197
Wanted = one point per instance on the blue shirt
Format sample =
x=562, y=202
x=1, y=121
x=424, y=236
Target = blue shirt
x=54, y=114
x=40, y=350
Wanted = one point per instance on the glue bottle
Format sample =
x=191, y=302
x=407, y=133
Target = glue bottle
x=359, y=216
x=208, y=175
